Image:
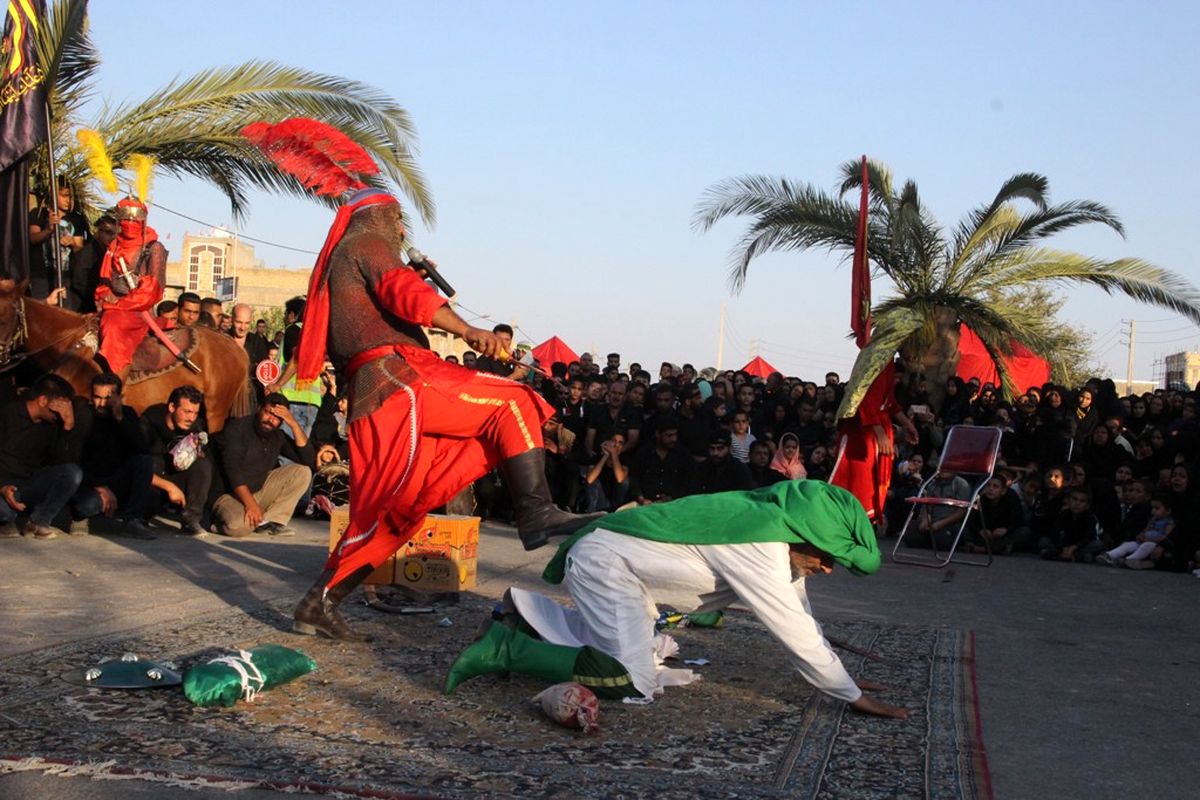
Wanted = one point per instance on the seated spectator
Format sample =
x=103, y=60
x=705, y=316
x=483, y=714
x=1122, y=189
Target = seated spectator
x=760, y=465
x=817, y=464
x=469, y=359
x=38, y=451
x=188, y=312
x=664, y=471
x=1076, y=533
x=937, y=525
x=1136, y=552
x=996, y=525
x=721, y=472
x=695, y=425
x=789, y=460
x=174, y=433
x=614, y=415
x=906, y=482
x=260, y=497
x=117, y=471
x=606, y=483
x=741, y=437
x=1134, y=512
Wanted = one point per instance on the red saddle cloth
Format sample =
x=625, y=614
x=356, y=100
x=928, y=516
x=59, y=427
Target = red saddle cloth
x=153, y=356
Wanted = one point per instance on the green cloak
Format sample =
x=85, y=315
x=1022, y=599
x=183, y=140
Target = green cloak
x=827, y=517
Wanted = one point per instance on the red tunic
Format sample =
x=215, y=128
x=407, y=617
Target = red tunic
x=421, y=428
x=122, y=326
x=860, y=468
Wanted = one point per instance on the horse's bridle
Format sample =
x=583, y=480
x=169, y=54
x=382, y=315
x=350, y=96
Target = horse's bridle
x=19, y=337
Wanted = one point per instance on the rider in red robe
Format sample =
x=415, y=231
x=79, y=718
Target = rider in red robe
x=131, y=281
x=866, y=445
x=420, y=429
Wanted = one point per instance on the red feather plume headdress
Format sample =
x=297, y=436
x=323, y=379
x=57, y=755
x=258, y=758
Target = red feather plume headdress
x=321, y=157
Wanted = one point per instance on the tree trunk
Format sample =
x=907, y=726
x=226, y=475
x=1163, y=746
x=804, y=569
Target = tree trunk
x=934, y=354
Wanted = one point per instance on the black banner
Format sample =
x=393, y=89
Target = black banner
x=22, y=129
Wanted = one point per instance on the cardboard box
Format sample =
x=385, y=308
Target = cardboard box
x=440, y=557
x=385, y=573
x=436, y=574
x=445, y=536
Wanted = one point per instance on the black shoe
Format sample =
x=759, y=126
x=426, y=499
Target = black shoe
x=537, y=517
x=137, y=529
x=275, y=529
x=317, y=614
x=190, y=527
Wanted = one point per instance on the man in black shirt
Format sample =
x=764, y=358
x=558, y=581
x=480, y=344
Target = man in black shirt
x=663, y=407
x=189, y=310
x=695, y=423
x=664, y=471
x=254, y=344
x=38, y=451
x=84, y=266
x=809, y=430
x=172, y=432
x=721, y=472
x=65, y=231
x=261, y=496
x=614, y=415
x=507, y=369
x=117, y=472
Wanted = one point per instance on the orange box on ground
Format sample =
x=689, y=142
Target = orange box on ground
x=440, y=557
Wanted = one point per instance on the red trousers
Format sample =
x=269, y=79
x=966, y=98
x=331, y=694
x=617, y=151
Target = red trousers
x=120, y=334
x=860, y=468
x=419, y=449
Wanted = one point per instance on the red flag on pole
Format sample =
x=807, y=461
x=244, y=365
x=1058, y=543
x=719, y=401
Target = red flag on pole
x=860, y=278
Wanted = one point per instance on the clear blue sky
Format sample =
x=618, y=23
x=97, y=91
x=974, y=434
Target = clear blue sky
x=566, y=144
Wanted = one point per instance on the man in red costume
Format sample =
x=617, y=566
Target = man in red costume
x=420, y=428
x=866, y=446
x=131, y=281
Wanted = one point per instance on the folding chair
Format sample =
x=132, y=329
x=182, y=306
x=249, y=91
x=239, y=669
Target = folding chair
x=970, y=451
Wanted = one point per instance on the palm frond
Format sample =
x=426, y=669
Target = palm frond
x=200, y=117
x=66, y=54
x=1024, y=186
x=1133, y=277
x=879, y=178
x=889, y=333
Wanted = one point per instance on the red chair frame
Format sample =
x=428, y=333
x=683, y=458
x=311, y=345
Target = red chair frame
x=969, y=450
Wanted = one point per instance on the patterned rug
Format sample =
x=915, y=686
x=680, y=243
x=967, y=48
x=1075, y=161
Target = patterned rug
x=372, y=721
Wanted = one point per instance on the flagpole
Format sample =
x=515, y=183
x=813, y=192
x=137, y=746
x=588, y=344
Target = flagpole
x=55, y=247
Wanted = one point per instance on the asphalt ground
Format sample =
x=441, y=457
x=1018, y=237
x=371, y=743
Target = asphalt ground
x=1087, y=675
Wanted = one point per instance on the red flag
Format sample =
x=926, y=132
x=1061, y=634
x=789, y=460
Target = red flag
x=860, y=278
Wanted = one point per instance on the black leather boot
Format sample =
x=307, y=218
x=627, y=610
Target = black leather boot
x=537, y=517
x=317, y=613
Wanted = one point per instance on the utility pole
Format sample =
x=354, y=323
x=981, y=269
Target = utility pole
x=1129, y=365
x=721, y=340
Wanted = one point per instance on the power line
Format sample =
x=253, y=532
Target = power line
x=240, y=235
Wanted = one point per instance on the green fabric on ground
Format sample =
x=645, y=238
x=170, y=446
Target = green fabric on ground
x=220, y=684
x=827, y=517
x=603, y=674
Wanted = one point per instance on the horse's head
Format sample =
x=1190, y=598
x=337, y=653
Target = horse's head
x=12, y=318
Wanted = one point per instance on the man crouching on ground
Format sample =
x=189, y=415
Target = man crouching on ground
x=703, y=552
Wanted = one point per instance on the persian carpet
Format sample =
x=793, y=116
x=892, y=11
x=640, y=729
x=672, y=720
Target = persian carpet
x=372, y=722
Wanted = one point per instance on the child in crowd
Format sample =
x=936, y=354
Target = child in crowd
x=1075, y=536
x=1136, y=554
x=997, y=523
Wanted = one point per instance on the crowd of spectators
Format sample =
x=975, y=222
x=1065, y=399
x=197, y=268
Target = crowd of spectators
x=67, y=459
x=1085, y=475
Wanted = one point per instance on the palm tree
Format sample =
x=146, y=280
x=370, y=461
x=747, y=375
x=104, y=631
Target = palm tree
x=973, y=276
x=192, y=126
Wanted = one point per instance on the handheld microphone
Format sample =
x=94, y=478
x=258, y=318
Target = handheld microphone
x=416, y=260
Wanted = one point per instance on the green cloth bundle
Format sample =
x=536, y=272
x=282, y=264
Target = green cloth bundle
x=223, y=680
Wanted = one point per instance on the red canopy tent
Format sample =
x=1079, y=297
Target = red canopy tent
x=1027, y=368
x=552, y=350
x=759, y=368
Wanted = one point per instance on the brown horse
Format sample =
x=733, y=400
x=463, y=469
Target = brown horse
x=63, y=342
